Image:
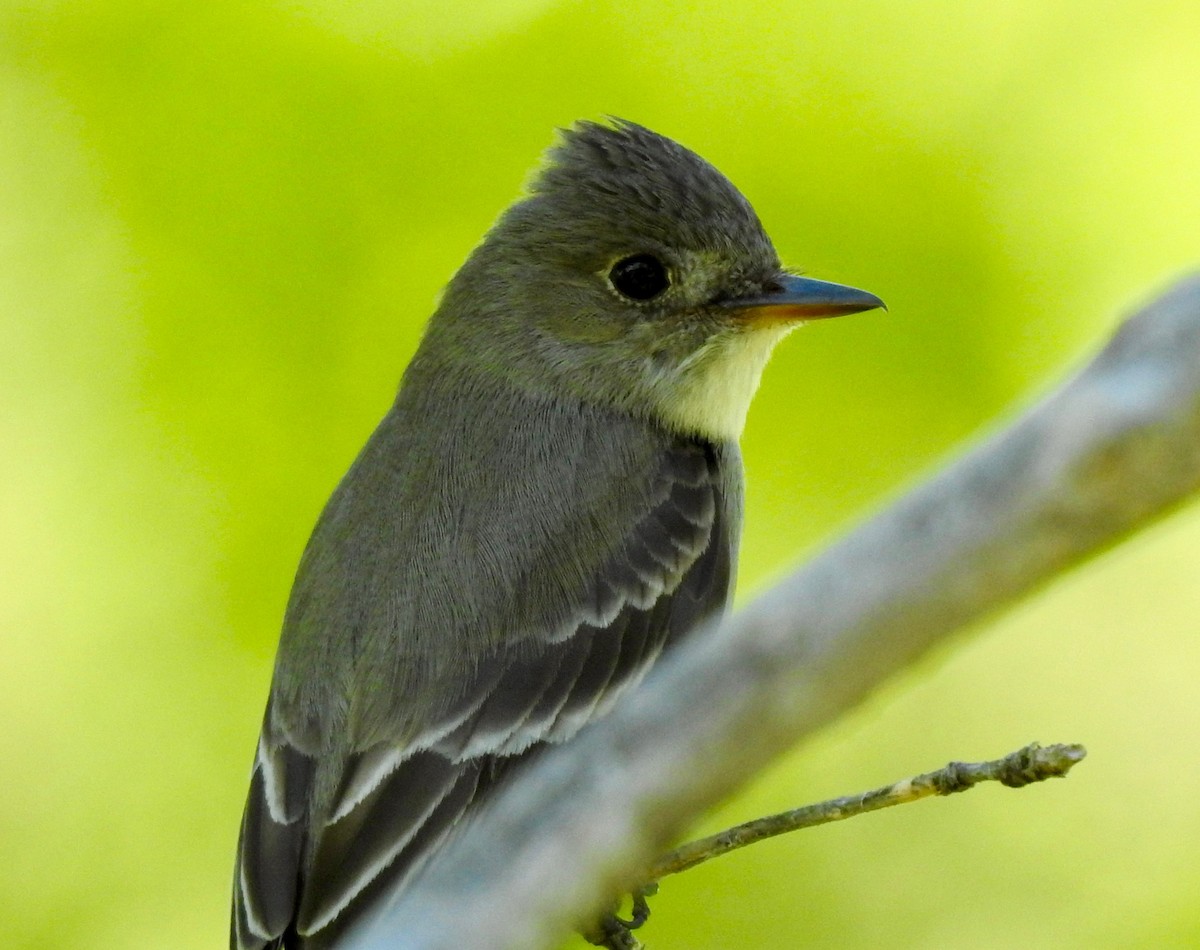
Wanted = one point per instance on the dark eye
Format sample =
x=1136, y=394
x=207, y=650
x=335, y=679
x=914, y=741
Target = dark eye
x=639, y=277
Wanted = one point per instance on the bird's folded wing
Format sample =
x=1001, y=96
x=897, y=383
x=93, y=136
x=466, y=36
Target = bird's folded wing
x=396, y=800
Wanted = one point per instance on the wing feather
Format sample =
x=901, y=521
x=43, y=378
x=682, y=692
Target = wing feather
x=352, y=851
x=266, y=874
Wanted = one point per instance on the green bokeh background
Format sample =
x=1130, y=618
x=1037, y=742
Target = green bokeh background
x=221, y=228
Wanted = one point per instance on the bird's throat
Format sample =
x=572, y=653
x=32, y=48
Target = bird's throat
x=712, y=395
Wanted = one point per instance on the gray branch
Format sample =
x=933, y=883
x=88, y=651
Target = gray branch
x=1114, y=448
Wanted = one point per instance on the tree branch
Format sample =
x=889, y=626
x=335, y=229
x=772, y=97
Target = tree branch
x=1111, y=450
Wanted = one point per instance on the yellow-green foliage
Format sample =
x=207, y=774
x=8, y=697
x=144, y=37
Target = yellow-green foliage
x=221, y=227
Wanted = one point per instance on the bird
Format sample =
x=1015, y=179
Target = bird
x=552, y=502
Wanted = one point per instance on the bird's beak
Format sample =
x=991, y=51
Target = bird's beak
x=802, y=298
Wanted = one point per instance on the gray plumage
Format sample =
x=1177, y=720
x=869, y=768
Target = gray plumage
x=546, y=507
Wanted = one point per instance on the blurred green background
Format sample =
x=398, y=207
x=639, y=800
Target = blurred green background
x=221, y=228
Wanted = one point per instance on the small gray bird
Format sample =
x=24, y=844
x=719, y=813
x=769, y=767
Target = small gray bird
x=553, y=500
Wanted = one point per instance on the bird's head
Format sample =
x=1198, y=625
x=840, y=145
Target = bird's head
x=633, y=275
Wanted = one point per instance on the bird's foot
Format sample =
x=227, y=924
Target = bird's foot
x=616, y=933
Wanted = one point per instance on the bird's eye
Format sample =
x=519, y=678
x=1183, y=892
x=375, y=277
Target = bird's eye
x=639, y=277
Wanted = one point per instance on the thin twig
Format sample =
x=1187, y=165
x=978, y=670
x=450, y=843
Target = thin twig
x=1027, y=765
x=1033, y=763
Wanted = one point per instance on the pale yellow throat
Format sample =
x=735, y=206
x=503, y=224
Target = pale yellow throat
x=712, y=393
